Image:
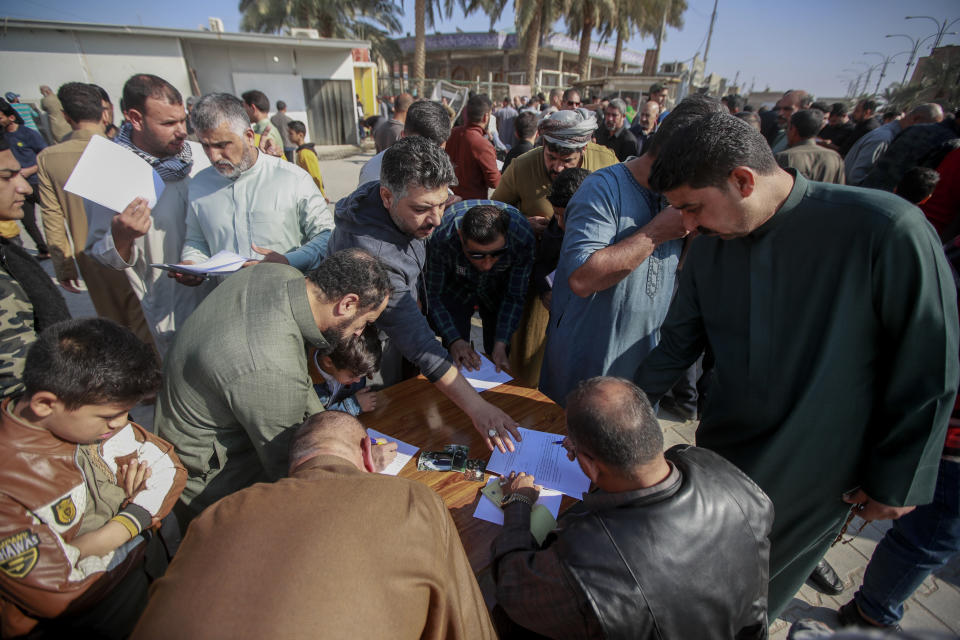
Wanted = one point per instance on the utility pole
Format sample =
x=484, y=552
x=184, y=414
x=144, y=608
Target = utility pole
x=661, y=35
x=706, y=52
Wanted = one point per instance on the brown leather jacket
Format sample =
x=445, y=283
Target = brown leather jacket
x=44, y=494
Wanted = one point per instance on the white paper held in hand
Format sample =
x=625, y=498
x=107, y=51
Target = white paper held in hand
x=113, y=176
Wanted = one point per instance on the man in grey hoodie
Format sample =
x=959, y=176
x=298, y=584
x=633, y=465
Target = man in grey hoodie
x=392, y=219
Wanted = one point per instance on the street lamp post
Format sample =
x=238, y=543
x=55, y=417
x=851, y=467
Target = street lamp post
x=941, y=27
x=915, y=45
x=883, y=70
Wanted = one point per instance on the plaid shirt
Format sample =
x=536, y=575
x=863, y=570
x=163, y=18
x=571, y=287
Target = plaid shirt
x=449, y=273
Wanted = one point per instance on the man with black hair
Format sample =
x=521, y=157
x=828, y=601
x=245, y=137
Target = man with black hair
x=29, y=302
x=236, y=383
x=614, y=133
x=812, y=161
x=864, y=123
x=133, y=239
x=26, y=144
x=392, y=219
x=918, y=185
x=481, y=256
x=548, y=249
x=668, y=526
x=423, y=118
x=838, y=127
x=390, y=131
x=257, y=106
x=473, y=156
x=832, y=317
x=525, y=132
x=282, y=121
x=570, y=100
x=76, y=511
x=65, y=218
x=616, y=270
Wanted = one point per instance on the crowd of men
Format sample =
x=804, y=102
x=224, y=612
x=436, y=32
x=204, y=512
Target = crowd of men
x=699, y=256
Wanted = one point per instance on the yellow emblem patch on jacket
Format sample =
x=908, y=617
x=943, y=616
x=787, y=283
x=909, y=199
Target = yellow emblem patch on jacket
x=19, y=553
x=65, y=511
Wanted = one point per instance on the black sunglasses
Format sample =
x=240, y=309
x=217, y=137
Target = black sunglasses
x=480, y=255
x=571, y=103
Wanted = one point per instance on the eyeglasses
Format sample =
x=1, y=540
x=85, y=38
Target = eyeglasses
x=571, y=103
x=480, y=255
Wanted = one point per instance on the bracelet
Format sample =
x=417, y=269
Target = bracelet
x=516, y=497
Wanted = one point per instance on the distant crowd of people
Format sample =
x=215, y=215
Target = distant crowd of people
x=695, y=255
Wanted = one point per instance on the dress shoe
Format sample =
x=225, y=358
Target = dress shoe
x=826, y=580
x=850, y=616
x=667, y=403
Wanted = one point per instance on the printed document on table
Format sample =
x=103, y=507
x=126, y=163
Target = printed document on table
x=490, y=512
x=537, y=454
x=405, y=451
x=113, y=176
x=487, y=377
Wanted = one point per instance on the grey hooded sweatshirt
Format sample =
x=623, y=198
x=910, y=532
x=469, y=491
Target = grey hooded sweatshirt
x=362, y=221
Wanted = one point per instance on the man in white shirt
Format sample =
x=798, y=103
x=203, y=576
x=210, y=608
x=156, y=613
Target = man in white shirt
x=249, y=202
x=155, y=129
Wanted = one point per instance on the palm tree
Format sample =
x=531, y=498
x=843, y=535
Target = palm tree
x=425, y=14
x=532, y=19
x=371, y=20
x=644, y=16
x=582, y=16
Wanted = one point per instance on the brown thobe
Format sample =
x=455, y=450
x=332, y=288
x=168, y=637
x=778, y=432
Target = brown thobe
x=331, y=552
x=65, y=227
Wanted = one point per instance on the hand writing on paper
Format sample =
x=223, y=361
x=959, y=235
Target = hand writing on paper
x=383, y=455
x=132, y=477
x=521, y=483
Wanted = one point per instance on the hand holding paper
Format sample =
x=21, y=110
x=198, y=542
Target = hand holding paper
x=113, y=176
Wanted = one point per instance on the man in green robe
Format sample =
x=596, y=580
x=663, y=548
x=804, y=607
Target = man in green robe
x=832, y=316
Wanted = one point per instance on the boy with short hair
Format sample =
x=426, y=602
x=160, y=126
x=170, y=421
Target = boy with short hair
x=340, y=377
x=80, y=486
x=306, y=156
x=548, y=251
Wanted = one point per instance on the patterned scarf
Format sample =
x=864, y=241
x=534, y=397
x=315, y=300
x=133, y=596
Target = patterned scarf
x=570, y=129
x=171, y=168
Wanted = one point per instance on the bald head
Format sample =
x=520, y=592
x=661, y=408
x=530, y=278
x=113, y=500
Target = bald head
x=333, y=433
x=612, y=420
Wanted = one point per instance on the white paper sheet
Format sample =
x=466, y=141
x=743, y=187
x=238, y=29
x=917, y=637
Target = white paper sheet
x=405, y=451
x=490, y=512
x=537, y=454
x=487, y=377
x=113, y=176
x=220, y=263
x=550, y=276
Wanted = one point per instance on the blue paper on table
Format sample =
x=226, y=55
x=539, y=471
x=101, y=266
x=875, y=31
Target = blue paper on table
x=487, y=377
x=405, y=451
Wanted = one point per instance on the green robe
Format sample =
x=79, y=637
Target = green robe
x=834, y=327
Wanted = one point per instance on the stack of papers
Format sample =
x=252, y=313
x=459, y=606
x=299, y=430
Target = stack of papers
x=405, y=451
x=543, y=516
x=539, y=455
x=222, y=263
x=487, y=377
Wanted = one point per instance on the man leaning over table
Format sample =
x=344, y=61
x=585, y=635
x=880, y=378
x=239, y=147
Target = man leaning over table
x=392, y=219
x=639, y=556
x=249, y=202
x=236, y=378
x=388, y=564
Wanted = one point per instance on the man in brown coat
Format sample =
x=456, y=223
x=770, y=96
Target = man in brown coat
x=331, y=551
x=65, y=219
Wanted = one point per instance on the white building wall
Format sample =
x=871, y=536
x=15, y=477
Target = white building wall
x=32, y=58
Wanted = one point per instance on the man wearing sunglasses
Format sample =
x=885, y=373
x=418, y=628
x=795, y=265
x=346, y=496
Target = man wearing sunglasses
x=571, y=100
x=481, y=255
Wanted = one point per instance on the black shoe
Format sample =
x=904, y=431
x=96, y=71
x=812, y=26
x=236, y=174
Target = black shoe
x=850, y=616
x=668, y=403
x=826, y=580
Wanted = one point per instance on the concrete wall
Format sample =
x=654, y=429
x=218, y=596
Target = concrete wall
x=35, y=57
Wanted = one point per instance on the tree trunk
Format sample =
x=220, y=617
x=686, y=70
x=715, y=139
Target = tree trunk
x=532, y=47
x=585, y=34
x=420, y=45
x=618, y=54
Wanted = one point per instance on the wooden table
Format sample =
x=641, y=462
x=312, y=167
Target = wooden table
x=415, y=411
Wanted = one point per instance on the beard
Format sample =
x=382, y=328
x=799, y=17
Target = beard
x=231, y=170
x=337, y=334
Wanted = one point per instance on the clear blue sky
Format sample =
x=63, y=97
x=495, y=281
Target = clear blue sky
x=773, y=43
